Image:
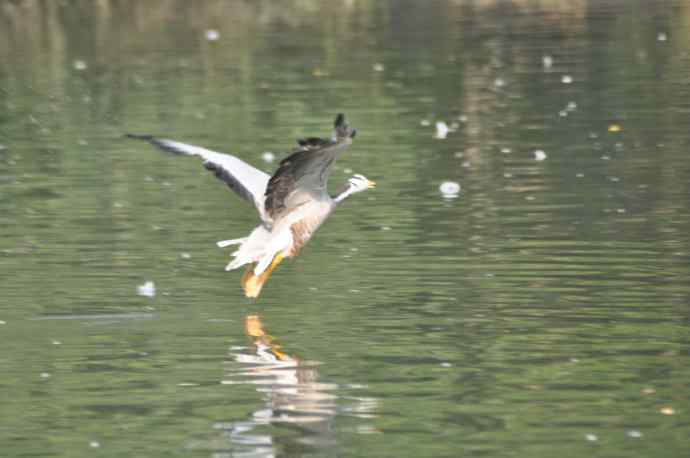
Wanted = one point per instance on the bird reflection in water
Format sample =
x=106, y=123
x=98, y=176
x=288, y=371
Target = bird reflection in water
x=295, y=401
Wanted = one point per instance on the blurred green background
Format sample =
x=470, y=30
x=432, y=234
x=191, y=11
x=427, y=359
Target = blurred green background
x=543, y=310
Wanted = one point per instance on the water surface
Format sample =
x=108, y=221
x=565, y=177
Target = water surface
x=542, y=310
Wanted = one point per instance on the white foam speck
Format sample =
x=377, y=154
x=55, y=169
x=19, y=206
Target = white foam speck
x=425, y=122
x=80, y=65
x=566, y=79
x=591, y=437
x=449, y=189
x=446, y=365
x=571, y=106
x=634, y=433
x=499, y=82
x=185, y=255
x=212, y=35
x=366, y=429
x=378, y=67
x=148, y=289
x=94, y=444
x=539, y=155
x=661, y=36
x=441, y=130
x=506, y=150
x=268, y=156
x=547, y=61
x=45, y=375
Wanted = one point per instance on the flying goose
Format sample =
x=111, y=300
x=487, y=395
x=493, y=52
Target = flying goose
x=292, y=203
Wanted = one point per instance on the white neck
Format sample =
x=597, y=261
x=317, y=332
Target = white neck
x=345, y=194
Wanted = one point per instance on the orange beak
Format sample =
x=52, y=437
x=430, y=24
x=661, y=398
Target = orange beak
x=252, y=284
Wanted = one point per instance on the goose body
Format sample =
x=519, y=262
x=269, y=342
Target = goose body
x=292, y=203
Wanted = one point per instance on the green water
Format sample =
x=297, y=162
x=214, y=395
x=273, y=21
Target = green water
x=543, y=311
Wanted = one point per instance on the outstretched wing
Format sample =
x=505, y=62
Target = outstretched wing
x=307, y=168
x=248, y=182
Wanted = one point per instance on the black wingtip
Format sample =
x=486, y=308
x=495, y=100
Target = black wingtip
x=339, y=120
x=342, y=128
x=139, y=137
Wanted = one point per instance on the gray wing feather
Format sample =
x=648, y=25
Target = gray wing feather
x=307, y=168
x=248, y=182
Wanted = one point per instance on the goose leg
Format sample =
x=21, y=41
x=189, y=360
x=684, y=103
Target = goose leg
x=252, y=284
